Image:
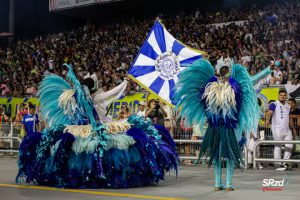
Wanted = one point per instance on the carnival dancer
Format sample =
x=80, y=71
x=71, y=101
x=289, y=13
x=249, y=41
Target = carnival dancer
x=229, y=105
x=75, y=150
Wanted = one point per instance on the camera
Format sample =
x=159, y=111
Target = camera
x=157, y=107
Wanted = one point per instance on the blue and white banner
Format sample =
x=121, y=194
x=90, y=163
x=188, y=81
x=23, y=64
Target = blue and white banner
x=159, y=62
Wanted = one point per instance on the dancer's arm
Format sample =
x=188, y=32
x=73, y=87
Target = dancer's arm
x=114, y=93
x=261, y=78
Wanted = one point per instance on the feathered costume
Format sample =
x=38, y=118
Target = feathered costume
x=229, y=107
x=76, y=151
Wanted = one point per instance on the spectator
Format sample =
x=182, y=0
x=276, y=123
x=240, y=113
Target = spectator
x=3, y=116
x=155, y=112
x=278, y=75
x=279, y=112
x=124, y=112
x=292, y=88
x=23, y=109
x=294, y=117
x=272, y=79
x=142, y=109
x=293, y=107
x=4, y=89
x=170, y=122
x=295, y=126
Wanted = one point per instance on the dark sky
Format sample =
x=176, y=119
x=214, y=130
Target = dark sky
x=33, y=18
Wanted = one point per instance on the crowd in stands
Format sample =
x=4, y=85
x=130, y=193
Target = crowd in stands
x=106, y=52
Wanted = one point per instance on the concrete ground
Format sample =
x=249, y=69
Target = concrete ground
x=193, y=182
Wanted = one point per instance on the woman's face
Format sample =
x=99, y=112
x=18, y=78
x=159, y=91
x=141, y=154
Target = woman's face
x=153, y=103
x=122, y=108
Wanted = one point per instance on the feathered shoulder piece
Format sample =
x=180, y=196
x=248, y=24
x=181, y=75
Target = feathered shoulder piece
x=84, y=103
x=190, y=89
x=248, y=115
x=57, y=100
x=63, y=103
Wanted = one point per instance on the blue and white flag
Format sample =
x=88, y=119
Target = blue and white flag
x=159, y=62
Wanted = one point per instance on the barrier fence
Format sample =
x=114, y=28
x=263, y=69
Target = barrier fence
x=10, y=137
x=189, y=144
x=255, y=159
x=188, y=141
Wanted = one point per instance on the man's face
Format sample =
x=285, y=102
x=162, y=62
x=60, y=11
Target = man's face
x=282, y=97
x=31, y=111
x=292, y=104
x=142, y=107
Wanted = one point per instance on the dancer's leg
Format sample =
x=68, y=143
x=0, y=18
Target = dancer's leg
x=218, y=174
x=229, y=174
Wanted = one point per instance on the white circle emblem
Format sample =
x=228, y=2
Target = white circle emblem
x=167, y=65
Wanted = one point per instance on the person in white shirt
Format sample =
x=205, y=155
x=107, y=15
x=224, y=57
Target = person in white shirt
x=292, y=86
x=279, y=112
x=102, y=99
x=170, y=119
x=278, y=75
x=142, y=109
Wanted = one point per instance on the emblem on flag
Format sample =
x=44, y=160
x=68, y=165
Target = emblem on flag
x=159, y=61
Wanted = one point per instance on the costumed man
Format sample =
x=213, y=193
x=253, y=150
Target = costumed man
x=229, y=105
x=102, y=99
x=75, y=150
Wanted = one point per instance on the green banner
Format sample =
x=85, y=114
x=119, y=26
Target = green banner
x=11, y=104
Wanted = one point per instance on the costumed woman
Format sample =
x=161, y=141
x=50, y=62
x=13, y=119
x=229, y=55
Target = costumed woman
x=229, y=105
x=75, y=150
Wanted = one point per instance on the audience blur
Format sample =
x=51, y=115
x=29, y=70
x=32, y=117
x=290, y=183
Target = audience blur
x=104, y=53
